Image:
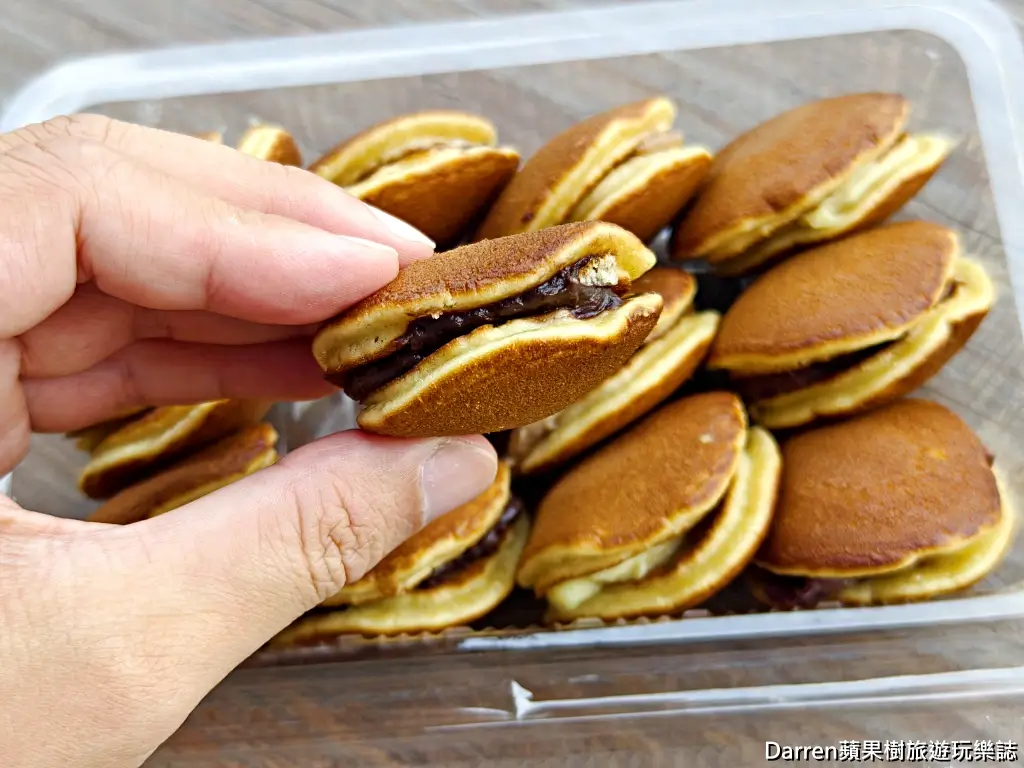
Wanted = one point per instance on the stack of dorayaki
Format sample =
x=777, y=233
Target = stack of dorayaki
x=736, y=413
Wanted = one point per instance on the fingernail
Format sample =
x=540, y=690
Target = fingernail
x=369, y=245
x=399, y=228
x=456, y=473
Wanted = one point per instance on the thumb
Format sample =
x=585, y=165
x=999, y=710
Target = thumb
x=242, y=563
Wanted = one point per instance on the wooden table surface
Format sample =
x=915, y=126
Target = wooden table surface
x=695, y=704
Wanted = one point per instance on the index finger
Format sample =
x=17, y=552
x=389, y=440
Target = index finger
x=74, y=211
x=236, y=178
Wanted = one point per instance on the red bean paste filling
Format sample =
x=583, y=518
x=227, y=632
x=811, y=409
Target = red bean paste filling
x=486, y=547
x=765, y=386
x=789, y=592
x=426, y=335
x=769, y=385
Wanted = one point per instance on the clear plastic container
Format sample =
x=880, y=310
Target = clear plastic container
x=728, y=65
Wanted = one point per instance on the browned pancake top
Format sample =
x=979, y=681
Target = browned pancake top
x=776, y=164
x=667, y=465
x=230, y=456
x=467, y=523
x=859, y=286
x=528, y=190
x=477, y=274
x=472, y=268
x=875, y=490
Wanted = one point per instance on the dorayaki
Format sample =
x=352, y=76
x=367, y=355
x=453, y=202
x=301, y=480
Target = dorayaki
x=808, y=175
x=436, y=170
x=494, y=335
x=657, y=520
x=125, y=451
x=626, y=166
x=897, y=505
x=230, y=459
x=851, y=324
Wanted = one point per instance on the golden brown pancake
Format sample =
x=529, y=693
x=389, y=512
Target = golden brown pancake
x=467, y=596
x=87, y=438
x=852, y=324
x=440, y=542
x=160, y=437
x=897, y=504
x=808, y=175
x=667, y=358
x=699, y=565
x=677, y=289
x=216, y=466
x=436, y=170
x=623, y=166
x=457, y=569
x=271, y=143
x=659, y=518
x=494, y=335
x=645, y=192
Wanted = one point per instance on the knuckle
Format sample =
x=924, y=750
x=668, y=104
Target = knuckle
x=337, y=536
x=96, y=164
x=123, y=386
x=205, y=242
x=83, y=126
x=108, y=186
x=286, y=181
x=64, y=173
x=46, y=168
x=151, y=324
x=98, y=128
x=213, y=235
x=88, y=127
x=211, y=216
x=38, y=231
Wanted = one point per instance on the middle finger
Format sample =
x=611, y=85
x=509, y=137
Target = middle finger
x=92, y=326
x=174, y=373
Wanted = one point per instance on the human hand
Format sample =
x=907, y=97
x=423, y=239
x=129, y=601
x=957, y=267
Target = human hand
x=139, y=267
